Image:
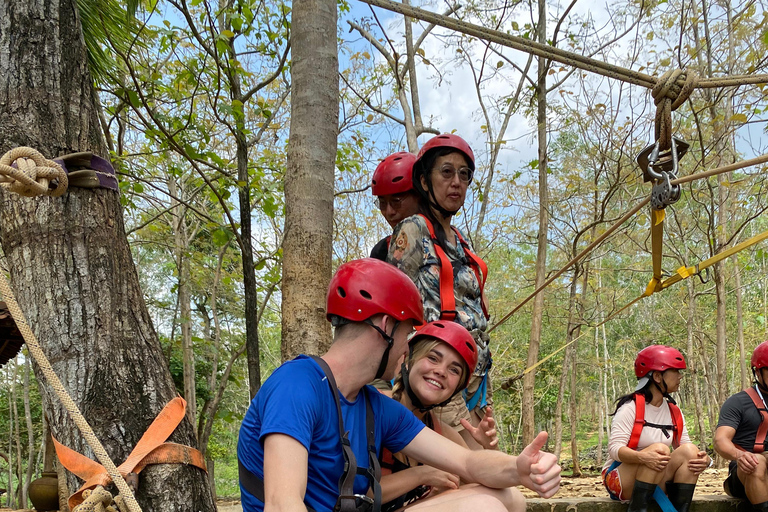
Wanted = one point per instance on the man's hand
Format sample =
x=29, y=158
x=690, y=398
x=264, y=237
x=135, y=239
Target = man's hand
x=700, y=463
x=485, y=432
x=655, y=457
x=538, y=470
x=747, y=462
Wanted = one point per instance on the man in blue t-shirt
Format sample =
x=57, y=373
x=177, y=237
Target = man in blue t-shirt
x=289, y=439
x=739, y=439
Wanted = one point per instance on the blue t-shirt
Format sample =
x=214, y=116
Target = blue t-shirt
x=297, y=401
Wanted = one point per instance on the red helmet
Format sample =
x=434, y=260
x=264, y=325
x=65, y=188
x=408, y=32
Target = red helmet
x=367, y=287
x=457, y=337
x=447, y=140
x=394, y=175
x=760, y=356
x=658, y=358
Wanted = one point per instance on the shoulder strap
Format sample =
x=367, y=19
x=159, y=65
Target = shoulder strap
x=479, y=267
x=762, y=430
x=677, y=424
x=347, y=479
x=374, y=470
x=447, y=297
x=637, y=428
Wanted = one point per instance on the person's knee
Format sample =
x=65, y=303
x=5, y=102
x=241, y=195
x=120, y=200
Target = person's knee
x=513, y=499
x=687, y=451
x=491, y=503
x=657, y=447
x=759, y=474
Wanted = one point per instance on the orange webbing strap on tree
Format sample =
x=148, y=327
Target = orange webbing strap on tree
x=151, y=449
x=58, y=388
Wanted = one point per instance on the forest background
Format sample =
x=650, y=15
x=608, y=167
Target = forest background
x=195, y=100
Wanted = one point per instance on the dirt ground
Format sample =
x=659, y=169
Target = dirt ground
x=710, y=482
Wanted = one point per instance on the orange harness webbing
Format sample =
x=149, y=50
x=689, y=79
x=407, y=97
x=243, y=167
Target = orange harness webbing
x=637, y=428
x=388, y=458
x=762, y=430
x=447, y=296
x=151, y=449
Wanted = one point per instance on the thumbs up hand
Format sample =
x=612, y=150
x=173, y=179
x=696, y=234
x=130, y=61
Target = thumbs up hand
x=538, y=470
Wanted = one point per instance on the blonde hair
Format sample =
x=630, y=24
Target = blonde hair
x=420, y=350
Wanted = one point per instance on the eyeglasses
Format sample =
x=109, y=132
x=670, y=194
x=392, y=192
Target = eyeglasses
x=394, y=201
x=448, y=172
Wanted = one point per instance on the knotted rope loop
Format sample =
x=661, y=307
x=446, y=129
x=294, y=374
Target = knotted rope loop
x=32, y=174
x=672, y=89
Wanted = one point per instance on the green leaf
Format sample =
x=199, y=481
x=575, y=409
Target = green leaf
x=739, y=118
x=227, y=33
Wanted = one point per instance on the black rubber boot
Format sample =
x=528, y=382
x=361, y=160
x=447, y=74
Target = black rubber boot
x=680, y=495
x=642, y=495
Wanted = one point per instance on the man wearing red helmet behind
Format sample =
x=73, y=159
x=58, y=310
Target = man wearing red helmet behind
x=392, y=184
x=646, y=423
x=741, y=436
x=292, y=451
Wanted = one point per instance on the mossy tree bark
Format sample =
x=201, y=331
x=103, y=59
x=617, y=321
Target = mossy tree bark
x=69, y=260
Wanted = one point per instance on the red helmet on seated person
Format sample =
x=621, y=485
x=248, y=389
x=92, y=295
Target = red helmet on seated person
x=658, y=358
x=760, y=356
x=457, y=337
x=363, y=288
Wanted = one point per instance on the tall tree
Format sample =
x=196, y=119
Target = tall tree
x=309, y=177
x=82, y=294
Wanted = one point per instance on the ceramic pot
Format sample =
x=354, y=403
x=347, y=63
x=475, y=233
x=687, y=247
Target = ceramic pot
x=44, y=492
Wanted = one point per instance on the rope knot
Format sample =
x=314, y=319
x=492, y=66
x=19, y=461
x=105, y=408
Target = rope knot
x=33, y=174
x=672, y=89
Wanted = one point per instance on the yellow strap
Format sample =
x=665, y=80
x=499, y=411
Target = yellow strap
x=656, y=285
x=657, y=241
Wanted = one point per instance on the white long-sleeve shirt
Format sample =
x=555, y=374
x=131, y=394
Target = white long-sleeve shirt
x=624, y=420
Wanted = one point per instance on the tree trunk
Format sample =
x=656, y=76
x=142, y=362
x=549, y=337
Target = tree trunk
x=740, y=325
x=566, y=364
x=30, y=429
x=70, y=263
x=184, y=296
x=693, y=363
x=309, y=178
x=529, y=381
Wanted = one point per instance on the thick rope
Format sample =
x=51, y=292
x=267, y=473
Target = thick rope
x=671, y=90
x=53, y=380
x=553, y=53
x=32, y=175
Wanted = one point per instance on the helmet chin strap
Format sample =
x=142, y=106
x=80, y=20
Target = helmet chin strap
x=389, y=338
x=762, y=387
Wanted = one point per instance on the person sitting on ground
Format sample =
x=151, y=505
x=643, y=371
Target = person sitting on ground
x=392, y=184
x=741, y=436
x=442, y=355
x=646, y=423
x=291, y=451
x=436, y=256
